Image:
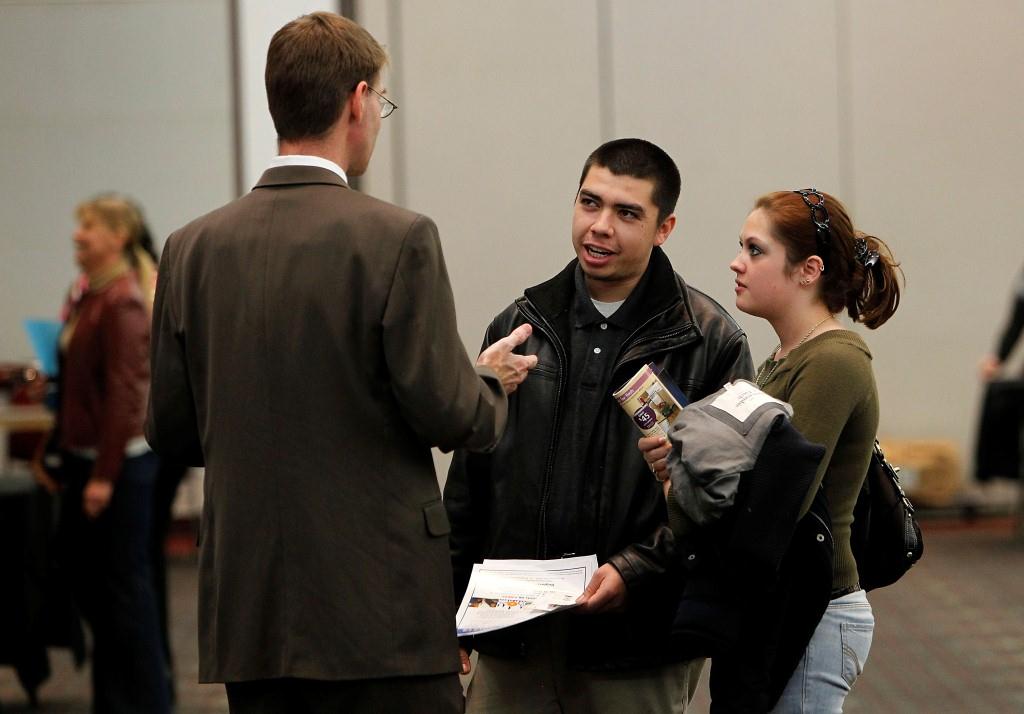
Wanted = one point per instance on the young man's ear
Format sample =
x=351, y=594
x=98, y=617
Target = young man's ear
x=665, y=229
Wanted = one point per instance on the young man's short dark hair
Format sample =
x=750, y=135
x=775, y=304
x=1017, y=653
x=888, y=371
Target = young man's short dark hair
x=640, y=159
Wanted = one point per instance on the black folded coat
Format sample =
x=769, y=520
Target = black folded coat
x=760, y=579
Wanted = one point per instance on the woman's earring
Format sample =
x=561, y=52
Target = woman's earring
x=805, y=281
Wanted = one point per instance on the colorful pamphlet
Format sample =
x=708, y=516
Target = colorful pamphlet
x=652, y=399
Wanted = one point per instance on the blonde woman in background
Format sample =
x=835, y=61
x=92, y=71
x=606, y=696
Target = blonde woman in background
x=108, y=473
x=121, y=215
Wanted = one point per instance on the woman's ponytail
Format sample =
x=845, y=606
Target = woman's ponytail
x=875, y=296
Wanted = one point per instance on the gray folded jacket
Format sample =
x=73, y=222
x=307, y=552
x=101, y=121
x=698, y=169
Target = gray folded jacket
x=713, y=442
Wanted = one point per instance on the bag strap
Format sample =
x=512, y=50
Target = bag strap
x=893, y=472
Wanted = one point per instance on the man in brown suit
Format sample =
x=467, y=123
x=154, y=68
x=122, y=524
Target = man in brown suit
x=305, y=351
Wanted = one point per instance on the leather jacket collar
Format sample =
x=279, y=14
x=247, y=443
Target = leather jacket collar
x=665, y=317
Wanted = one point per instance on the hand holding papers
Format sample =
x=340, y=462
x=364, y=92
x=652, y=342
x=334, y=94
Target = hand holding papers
x=606, y=592
x=502, y=593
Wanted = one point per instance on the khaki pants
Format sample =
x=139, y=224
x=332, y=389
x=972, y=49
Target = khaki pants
x=541, y=683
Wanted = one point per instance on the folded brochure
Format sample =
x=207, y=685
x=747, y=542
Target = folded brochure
x=651, y=399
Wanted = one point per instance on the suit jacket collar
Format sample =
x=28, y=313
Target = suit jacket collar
x=298, y=175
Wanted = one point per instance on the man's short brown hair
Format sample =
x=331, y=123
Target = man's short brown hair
x=313, y=64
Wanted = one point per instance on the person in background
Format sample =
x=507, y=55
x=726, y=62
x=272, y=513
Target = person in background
x=801, y=263
x=140, y=253
x=567, y=478
x=169, y=474
x=997, y=462
x=992, y=364
x=107, y=470
x=143, y=257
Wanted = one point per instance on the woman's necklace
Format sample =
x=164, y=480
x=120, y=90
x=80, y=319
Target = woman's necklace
x=762, y=379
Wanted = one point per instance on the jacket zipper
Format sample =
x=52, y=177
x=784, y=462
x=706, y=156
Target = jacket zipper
x=527, y=310
x=545, y=327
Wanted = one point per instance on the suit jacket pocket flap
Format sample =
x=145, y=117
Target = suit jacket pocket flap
x=436, y=519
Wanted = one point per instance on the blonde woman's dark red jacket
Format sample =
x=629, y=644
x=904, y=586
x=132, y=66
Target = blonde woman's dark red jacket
x=105, y=374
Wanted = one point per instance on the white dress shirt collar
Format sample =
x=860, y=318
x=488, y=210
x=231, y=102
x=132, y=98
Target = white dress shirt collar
x=303, y=160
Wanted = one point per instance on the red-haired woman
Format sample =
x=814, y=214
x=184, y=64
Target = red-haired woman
x=802, y=263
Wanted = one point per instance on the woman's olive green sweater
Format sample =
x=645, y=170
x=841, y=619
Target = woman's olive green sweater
x=829, y=382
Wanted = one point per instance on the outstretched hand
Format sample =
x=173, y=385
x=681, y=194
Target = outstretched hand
x=510, y=367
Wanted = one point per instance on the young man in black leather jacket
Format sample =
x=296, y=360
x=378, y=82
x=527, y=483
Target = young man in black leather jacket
x=567, y=477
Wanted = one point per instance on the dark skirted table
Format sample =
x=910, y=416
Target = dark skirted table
x=36, y=609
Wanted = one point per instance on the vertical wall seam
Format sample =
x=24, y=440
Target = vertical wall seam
x=399, y=163
x=347, y=8
x=605, y=71
x=237, y=129
x=844, y=103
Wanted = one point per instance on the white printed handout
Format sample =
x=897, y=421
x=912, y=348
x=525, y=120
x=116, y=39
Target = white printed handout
x=502, y=593
x=741, y=399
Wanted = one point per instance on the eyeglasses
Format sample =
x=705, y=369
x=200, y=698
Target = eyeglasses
x=386, y=105
x=819, y=216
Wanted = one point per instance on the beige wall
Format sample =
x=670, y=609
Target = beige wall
x=100, y=96
x=258, y=20
x=497, y=112
x=908, y=111
x=936, y=153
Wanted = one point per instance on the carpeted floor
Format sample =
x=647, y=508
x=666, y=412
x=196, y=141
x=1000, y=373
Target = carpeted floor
x=949, y=638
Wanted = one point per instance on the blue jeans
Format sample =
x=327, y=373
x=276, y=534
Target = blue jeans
x=834, y=658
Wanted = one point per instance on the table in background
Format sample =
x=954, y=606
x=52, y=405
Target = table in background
x=35, y=608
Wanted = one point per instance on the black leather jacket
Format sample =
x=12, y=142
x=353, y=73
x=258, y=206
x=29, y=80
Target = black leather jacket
x=499, y=503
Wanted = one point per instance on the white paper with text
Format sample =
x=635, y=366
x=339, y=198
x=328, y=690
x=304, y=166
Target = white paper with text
x=503, y=593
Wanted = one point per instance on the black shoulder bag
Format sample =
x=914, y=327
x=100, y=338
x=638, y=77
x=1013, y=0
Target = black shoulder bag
x=885, y=537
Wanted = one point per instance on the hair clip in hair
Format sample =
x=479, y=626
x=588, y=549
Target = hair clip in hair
x=865, y=257
x=815, y=200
